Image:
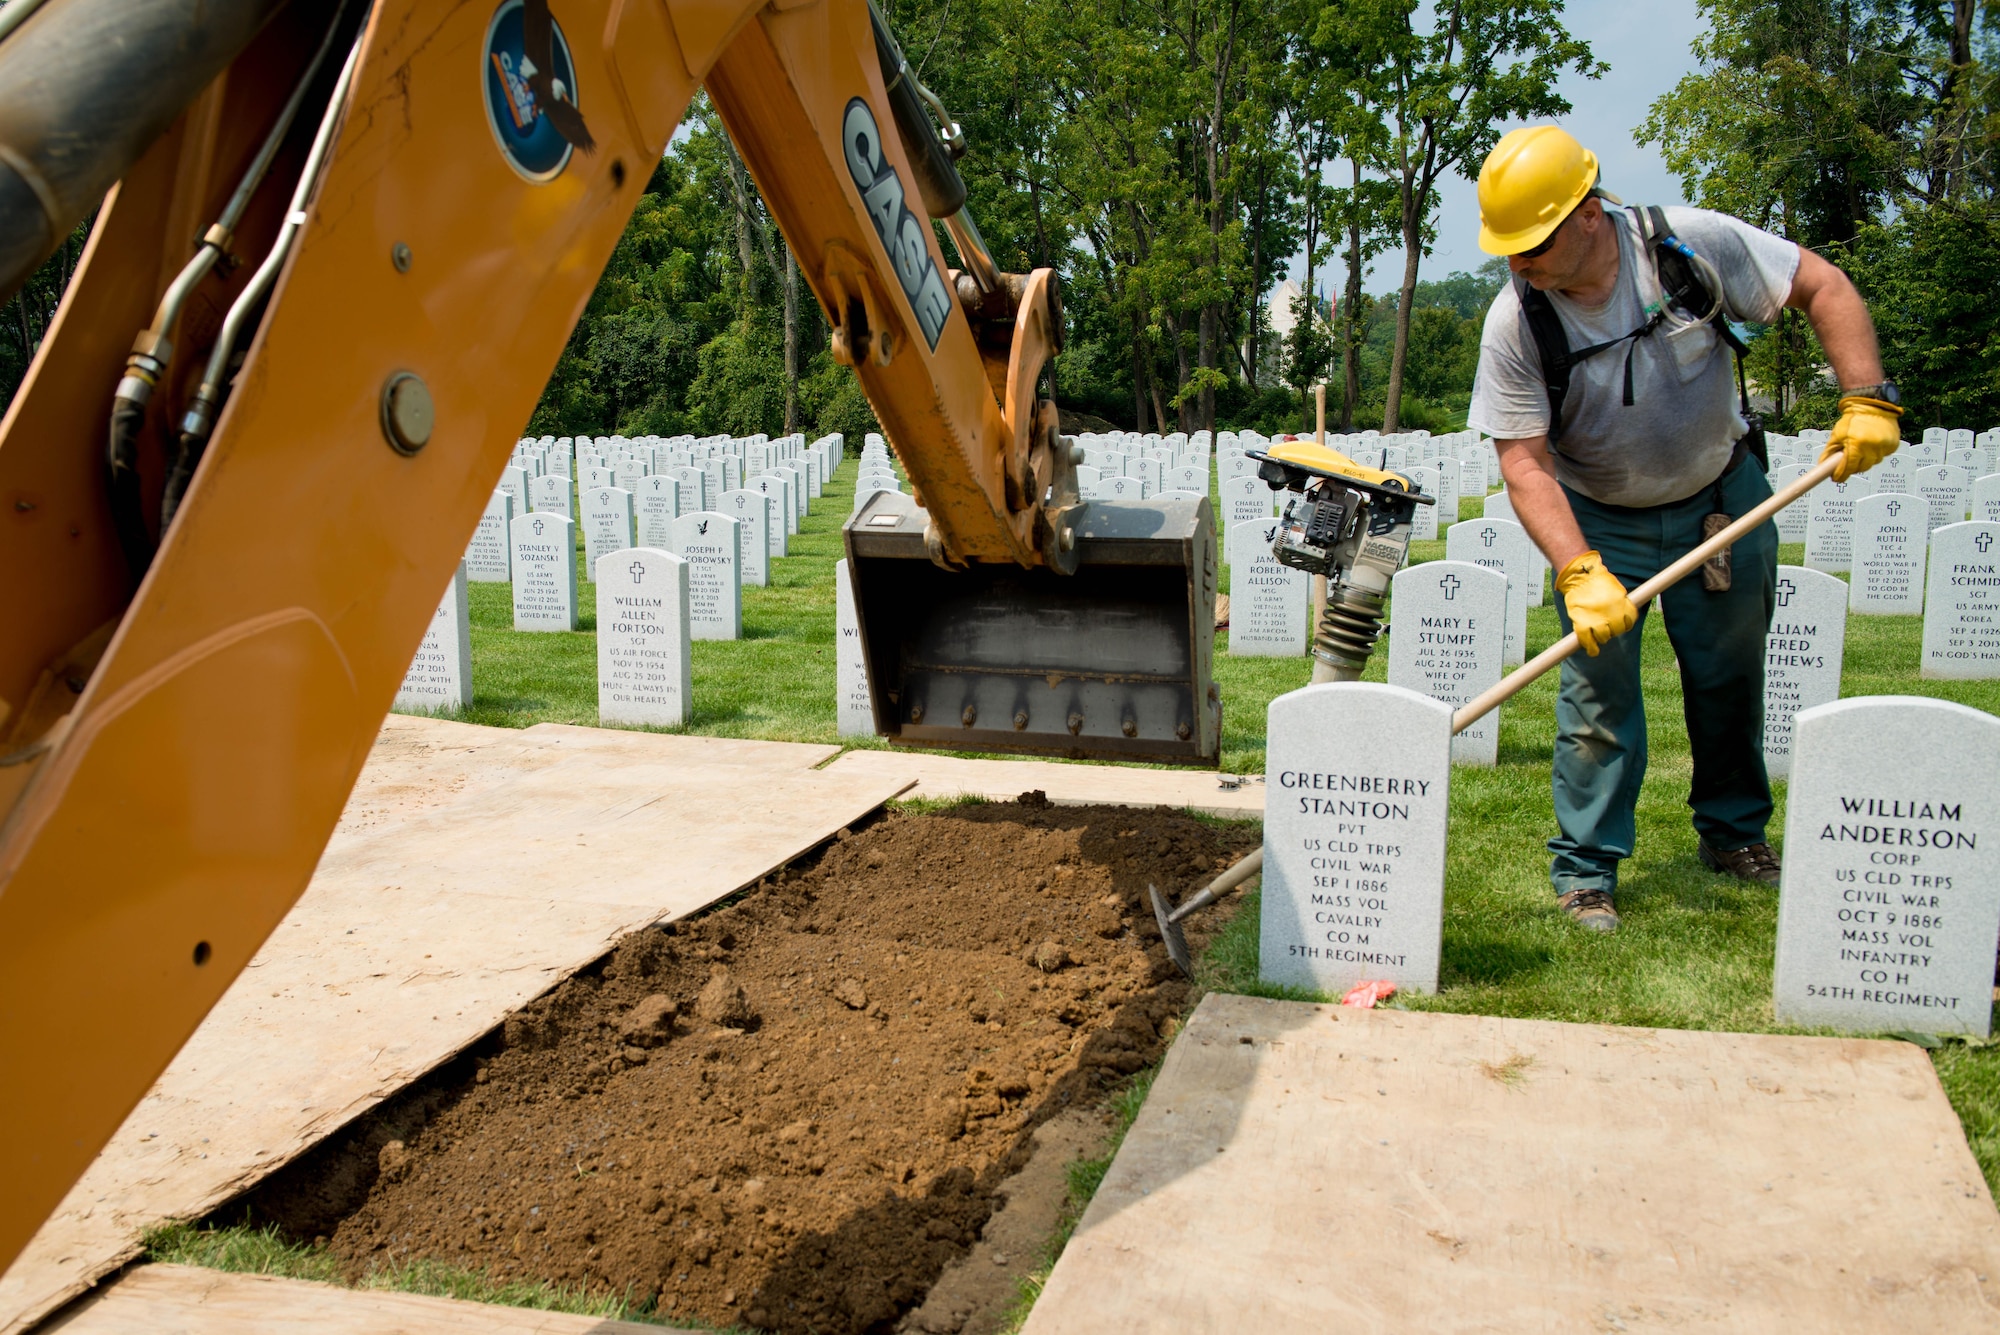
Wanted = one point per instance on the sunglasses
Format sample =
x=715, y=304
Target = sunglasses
x=1536, y=252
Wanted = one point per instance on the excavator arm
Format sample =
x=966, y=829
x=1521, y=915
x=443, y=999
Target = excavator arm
x=334, y=353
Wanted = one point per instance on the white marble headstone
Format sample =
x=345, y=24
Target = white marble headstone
x=645, y=665
x=1244, y=498
x=655, y=505
x=514, y=481
x=1888, y=558
x=1986, y=498
x=440, y=676
x=693, y=484
x=1830, y=522
x=1962, y=603
x=1188, y=477
x=550, y=494
x=1270, y=605
x=1898, y=472
x=1447, y=635
x=1502, y=545
x=1122, y=489
x=488, y=558
x=707, y=541
x=752, y=510
x=1424, y=521
x=1500, y=505
x=544, y=572
x=1890, y=901
x=1947, y=490
x=855, y=712
x=1803, y=651
x=1791, y=520
x=607, y=524
x=1354, y=837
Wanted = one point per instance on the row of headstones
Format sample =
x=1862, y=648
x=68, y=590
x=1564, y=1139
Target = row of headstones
x=1830, y=521
x=718, y=551
x=1887, y=912
x=878, y=471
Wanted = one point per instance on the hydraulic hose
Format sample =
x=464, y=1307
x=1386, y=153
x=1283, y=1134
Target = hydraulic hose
x=199, y=421
x=85, y=89
x=152, y=350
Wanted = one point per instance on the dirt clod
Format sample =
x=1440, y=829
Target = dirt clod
x=824, y=1132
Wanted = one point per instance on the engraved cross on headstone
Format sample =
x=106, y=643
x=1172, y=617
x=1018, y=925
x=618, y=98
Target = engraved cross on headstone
x=1785, y=591
x=1894, y=508
x=1490, y=536
x=1983, y=542
x=1450, y=585
x=638, y=569
x=538, y=528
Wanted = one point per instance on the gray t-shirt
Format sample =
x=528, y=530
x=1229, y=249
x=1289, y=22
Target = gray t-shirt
x=1676, y=437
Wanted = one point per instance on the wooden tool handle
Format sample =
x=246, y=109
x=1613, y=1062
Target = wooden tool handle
x=1223, y=884
x=1497, y=694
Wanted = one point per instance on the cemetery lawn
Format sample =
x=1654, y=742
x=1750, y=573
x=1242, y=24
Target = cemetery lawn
x=1695, y=951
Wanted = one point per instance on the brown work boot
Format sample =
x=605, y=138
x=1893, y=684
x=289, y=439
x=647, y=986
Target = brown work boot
x=1590, y=908
x=1754, y=863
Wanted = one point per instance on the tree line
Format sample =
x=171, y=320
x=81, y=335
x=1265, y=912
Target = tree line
x=1175, y=161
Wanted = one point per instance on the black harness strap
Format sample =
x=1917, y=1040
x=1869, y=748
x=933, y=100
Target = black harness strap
x=1680, y=285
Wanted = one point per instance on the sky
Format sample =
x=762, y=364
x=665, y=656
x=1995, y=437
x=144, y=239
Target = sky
x=1646, y=47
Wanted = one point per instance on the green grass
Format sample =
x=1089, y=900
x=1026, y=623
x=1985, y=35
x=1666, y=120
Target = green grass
x=1695, y=951
x=247, y=1250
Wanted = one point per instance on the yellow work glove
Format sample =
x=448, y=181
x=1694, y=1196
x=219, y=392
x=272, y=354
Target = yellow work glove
x=1868, y=432
x=1598, y=605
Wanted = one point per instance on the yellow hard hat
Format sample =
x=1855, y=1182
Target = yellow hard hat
x=1528, y=185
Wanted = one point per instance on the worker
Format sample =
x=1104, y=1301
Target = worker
x=1616, y=473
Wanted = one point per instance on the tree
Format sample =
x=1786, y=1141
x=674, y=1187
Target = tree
x=1442, y=93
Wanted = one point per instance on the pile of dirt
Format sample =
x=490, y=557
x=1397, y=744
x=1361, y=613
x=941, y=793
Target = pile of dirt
x=792, y=1112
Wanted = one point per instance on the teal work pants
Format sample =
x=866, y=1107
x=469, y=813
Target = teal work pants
x=1718, y=638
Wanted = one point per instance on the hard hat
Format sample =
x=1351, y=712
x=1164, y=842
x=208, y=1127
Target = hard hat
x=1528, y=185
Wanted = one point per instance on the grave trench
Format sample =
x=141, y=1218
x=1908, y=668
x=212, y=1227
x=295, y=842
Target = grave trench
x=788, y=1152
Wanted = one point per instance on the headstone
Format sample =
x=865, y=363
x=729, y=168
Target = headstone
x=1270, y=605
x=751, y=510
x=693, y=484
x=514, y=481
x=550, y=495
x=1898, y=472
x=1188, y=477
x=607, y=524
x=1447, y=492
x=1473, y=478
x=1791, y=520
x=1244, y=498
x=628, y=475
x=1946, y=490
x=1803, y=652
x=1147, y=471
x=801, y=502
x=1502, y=545
x=645, y=666
x=596, y=478
x=1354, y=837
x=654, y=507
x=1447, y=633
x=1888, y=562
x=855, y=712
x=1958, y=438
x=1962, y=603
x=1500, y=505
x=1830, y=522
x=544, y=572
x=1924, y=453
x=707, y=541
x=1986, y=498
x=488, y=559
x=1891, y=894
x=1122, y=488
x=440, y=676
x=1424, y=523
x=774, y=487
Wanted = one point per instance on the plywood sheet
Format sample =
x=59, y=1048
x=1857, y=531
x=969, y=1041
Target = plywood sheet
x=473, y=869
x=187, y=1300
x=1307, y=1168
x=1066, y=784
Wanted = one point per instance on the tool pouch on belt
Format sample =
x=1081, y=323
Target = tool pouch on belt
x=1715, y=570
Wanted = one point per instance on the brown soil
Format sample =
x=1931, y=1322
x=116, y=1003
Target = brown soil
x=792, y=1113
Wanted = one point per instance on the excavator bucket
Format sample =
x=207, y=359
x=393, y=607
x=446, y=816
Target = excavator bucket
x=1113, y=662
